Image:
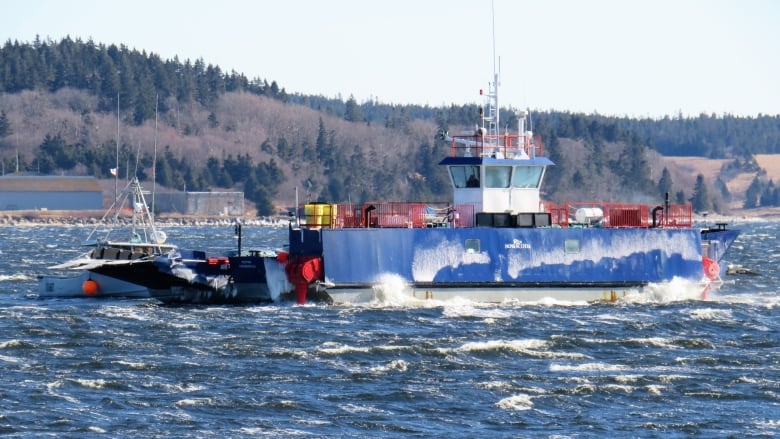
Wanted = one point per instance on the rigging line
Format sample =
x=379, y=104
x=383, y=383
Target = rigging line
x=137, y=159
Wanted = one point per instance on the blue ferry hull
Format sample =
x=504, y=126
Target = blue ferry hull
x=494, y=264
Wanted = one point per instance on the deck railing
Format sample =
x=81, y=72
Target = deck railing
x=430, y=215
x=388, y=215
x=615, y=215
x=507, y=146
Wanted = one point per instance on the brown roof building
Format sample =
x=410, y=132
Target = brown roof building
x=28, y=192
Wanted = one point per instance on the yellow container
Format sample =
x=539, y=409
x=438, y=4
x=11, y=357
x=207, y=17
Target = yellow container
x=320, y=215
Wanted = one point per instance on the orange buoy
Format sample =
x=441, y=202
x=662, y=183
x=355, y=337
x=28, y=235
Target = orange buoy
x=89, y=287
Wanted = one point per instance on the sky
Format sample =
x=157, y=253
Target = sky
x=637, y=58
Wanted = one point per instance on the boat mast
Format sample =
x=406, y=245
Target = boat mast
x=491, y=119
x=154, y=160
x=116, y=169
x=493, y=111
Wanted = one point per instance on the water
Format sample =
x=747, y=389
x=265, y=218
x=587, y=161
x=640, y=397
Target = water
x=656, y=367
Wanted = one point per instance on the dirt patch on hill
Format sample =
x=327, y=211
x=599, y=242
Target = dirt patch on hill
x=684, y=171
x=770, y=163
x=709, y=168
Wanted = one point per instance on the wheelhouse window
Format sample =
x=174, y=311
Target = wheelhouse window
x=527, y=176
x=497, y=176
x=465, y=176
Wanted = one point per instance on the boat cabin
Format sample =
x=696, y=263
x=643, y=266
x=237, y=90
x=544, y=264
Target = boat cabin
x=497, y=174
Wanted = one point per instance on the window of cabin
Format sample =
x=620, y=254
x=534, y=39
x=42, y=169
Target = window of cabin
x=497, y=176
x=465, y=176
x=527, y=176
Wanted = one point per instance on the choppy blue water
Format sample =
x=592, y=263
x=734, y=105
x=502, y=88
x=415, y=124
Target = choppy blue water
x=656, y=367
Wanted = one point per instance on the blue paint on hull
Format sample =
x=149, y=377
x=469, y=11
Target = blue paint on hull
x=719, y=240
x=576, y=257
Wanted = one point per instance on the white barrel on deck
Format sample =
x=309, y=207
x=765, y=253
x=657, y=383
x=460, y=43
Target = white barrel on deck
x=589, y=215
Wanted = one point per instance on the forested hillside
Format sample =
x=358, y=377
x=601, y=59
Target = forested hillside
x=66, y=105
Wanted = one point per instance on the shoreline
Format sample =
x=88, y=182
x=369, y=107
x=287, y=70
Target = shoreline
x=93, y=218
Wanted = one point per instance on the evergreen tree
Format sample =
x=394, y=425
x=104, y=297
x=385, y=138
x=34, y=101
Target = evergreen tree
x=263, y=202
x=323, y=147
x=633, y=167
x=701, y=199
x=679, y=197
x=768, y=194
x=191, y=180
x=5, y=125
x=753, y=194
x=274, y=89
x=335, y=189
x=210, y=172
x=45, y=164
x=146, y=99
x=665, y=183
x=435, y=184
x=723, y=188
x=352, y=110
x=553, y=177
x=239, y=168
x=251, y=186
x=164, y=172
x=223, y=179
x=55, y=151
x=283, y=149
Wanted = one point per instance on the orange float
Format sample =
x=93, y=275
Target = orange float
x=89, y=287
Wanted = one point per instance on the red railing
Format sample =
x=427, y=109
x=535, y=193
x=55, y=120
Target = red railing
x=508, y=146
x=678, y=215
x=607, y=214
x=387, y=215
x=429, y=215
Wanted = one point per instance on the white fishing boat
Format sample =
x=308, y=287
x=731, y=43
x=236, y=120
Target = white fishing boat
x=120, y=267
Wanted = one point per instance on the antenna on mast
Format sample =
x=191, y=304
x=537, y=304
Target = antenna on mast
x=493, y=94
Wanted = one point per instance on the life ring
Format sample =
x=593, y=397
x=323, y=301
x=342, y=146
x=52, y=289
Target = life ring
x=711, y=268
x=89, y=287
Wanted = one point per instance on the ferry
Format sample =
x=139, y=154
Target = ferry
x=497, y=239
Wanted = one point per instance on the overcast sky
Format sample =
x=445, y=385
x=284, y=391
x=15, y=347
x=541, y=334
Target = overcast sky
x=614, y=57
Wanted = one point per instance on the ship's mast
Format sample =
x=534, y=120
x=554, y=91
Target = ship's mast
x=493, y=93
x=490, y=121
